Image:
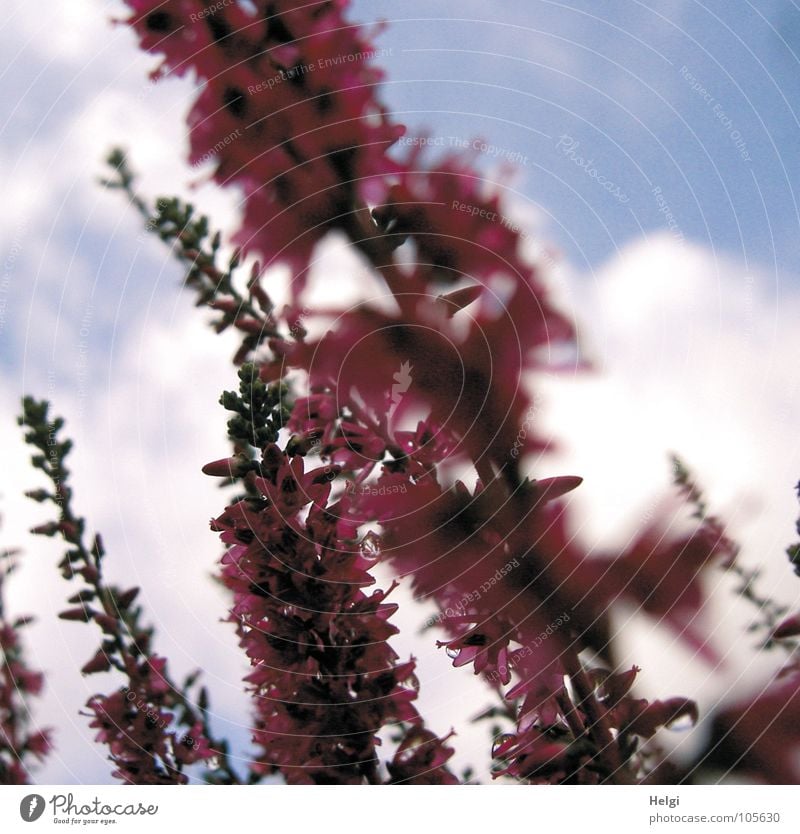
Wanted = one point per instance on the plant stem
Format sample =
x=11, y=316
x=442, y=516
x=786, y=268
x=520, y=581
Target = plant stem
x=607, y=752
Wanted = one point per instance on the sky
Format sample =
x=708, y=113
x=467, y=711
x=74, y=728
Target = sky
x=654, y=150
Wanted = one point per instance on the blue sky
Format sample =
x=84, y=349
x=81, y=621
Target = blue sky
x=518, y=74
x=693, y=329
x=609, y=75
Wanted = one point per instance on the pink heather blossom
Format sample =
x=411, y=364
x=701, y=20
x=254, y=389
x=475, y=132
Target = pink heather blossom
x=510, y=549
x=138, y=725
x=551, y=744
x=324, y=679
x=790, y=627
x=420, y=760
x=19, y=742
x=464, y=385
x=759, y=737
x=287, y=111
x=661, y=573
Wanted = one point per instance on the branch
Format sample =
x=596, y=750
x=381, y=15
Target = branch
x=132, y=721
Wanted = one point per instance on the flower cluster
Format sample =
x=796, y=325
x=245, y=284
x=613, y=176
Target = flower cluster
x=137, y=724
x=507, y=566
x=287, y=111
x=323, y=675
x=324, y=679
x=150, y=726
x=589, y=736
x=18, y=683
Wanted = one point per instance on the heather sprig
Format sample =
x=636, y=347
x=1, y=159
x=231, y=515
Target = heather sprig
x=151, y=725
x=324, y=679
x=305, y=148
x=260, y=411
x=214, y=279
x=21, y=745
x=770, y=612
x=468, y=358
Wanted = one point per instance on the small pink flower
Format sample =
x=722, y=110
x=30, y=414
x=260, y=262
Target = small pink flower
x=790, y=627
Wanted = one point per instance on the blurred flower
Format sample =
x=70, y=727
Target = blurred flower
x=18, y=682
x=287, y=110
x=759, y=737
x=661, y=573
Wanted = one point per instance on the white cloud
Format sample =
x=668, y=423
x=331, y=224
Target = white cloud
x=693, y=356
x=140, y=445
x=696, y=357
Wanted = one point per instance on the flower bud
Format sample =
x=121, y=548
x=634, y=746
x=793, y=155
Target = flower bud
x=99, y=663
x=790, y=627
x=617, y=686
x=50, y=528
x=222, y=468
x=82, y=615
x=125, y=599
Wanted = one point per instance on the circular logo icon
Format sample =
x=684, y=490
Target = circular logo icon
x=31, y=807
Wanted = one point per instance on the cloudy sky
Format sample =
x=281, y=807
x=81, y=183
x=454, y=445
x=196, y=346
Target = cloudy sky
x=655, y=150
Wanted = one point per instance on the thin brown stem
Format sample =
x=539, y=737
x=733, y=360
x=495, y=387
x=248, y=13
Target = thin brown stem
x=607, y=751
x=570, y=714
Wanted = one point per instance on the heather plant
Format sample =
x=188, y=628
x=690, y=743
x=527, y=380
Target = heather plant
x=400, y=430
x=22, y=746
